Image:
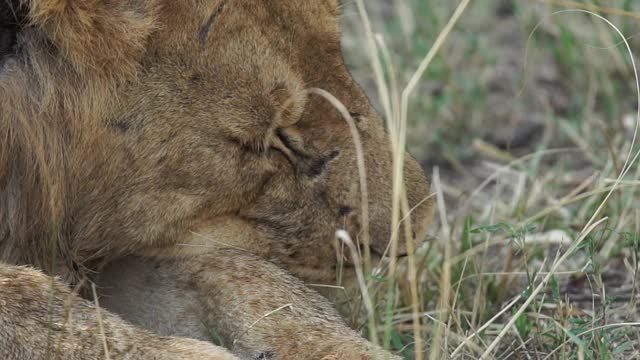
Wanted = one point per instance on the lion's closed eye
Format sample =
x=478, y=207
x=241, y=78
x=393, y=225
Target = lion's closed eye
x=305, y=162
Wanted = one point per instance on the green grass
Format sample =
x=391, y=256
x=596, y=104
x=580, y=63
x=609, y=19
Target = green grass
x=527, y=141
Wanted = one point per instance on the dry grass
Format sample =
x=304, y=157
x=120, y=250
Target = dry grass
x=536, y=252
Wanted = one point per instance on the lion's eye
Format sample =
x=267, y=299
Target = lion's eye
x=304, y=162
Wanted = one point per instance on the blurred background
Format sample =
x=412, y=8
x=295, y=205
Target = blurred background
x=528, y=131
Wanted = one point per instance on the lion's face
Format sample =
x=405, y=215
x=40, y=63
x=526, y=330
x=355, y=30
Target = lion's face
x=213, y=138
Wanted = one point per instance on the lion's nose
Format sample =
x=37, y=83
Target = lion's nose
x=345, y=211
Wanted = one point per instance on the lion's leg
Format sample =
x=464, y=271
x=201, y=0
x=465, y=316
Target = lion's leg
x=253, y=306
x=41, y=319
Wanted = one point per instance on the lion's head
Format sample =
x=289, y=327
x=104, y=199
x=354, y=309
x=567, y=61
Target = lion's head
x=132, y=126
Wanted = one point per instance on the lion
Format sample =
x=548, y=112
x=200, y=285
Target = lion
x=167, y=175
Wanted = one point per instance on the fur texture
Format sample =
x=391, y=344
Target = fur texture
x=181, y=134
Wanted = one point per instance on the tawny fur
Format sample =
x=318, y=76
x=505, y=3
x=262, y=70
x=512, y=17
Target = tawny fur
x=41, y=319
x=173, y=148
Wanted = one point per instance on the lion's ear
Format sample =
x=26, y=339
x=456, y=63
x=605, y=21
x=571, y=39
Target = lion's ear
x=94, y=35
